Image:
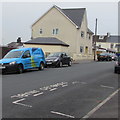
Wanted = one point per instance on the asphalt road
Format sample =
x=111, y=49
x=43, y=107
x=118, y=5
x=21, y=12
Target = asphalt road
x=67, y=92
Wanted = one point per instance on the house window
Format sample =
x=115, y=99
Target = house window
x=41, y=31
x=111, y=46
x=55, y=31
x=89, y=37
x=81, y=49
x=99, y=46
x=117, y=46
x=82, y=34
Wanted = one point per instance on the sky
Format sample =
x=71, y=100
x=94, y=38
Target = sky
x=17, y=17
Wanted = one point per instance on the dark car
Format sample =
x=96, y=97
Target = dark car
x=117, y=66
x=104, y=57
x=113, y=56
x=58, y=59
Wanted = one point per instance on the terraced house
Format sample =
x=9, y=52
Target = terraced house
x=63, y=30
x=107, y=43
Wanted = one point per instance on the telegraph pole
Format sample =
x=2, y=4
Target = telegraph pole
x=95, y=38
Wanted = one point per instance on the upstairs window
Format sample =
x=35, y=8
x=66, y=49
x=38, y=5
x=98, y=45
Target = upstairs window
x=41, y=31
x=55, y=31
x=89, y=37
x=82, y=34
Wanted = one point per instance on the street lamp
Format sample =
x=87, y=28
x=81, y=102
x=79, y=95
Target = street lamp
x=95, y=39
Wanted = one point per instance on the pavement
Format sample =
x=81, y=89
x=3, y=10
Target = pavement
x=83, y=61
x=109, y=109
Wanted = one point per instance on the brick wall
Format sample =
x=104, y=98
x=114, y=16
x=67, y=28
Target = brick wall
x=4, y=50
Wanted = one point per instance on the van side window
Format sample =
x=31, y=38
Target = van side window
x=26, y=54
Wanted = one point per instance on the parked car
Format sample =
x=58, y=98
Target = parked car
x=117, y=66
x=113, y=56
x=104, y=57
x=18, y=60
x=58, y=59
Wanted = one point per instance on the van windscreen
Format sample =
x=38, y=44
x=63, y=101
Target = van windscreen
x=13, y=54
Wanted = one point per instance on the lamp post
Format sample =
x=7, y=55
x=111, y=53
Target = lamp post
x=95, y=38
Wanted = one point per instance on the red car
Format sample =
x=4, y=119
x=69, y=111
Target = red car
x=104, y=57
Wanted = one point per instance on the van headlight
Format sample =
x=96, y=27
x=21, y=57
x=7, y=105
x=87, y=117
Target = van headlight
x=12, y=63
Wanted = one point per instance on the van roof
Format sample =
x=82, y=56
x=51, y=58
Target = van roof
x=24, y=49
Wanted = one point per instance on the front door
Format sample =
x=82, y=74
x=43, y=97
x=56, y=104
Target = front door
x=86, y=50
x=26, y=59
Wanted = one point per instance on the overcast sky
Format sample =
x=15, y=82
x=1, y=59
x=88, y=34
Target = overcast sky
x=17, y=17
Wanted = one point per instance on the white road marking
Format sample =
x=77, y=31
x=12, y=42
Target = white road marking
x=26, y=94
x=64, y=85
x=83, y=82
x=41, y=93
x=101, y=104
x=75, y=82
x=58, y=113
x=17, y=102
x=45, y=88
x=107, y=86
x=53, y=89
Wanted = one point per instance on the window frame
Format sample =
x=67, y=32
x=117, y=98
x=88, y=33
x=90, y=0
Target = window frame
x=41, y=31
x=81, y=49
x=26, y=54
x=82, y=34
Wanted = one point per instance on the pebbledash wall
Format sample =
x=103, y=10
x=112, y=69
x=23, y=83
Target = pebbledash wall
x=68, y=32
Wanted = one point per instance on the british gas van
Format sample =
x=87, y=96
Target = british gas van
x=18, y=60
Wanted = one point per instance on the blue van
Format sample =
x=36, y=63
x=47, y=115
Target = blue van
x=18, y=60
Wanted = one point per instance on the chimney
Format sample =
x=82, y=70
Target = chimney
x=108, y=34
x=19, y=40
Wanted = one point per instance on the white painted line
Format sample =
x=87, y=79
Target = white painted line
x=17, y=102
x=107, y=86
x=101, y=104
x=58, y=113
x=41, y=93
x=64, y=85
x=83, y=82
x=53, y=89
x=26, y=94
x=75, y=82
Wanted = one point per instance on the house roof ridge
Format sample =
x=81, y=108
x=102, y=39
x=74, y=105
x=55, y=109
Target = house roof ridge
x=73, y=8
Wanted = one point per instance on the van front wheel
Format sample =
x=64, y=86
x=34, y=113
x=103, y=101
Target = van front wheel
x=20, y=69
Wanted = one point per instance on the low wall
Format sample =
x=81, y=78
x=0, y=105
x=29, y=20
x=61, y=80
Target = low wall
x=82, y=57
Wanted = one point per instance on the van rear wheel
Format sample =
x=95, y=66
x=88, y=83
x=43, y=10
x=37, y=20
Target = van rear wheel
x=41, y=66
